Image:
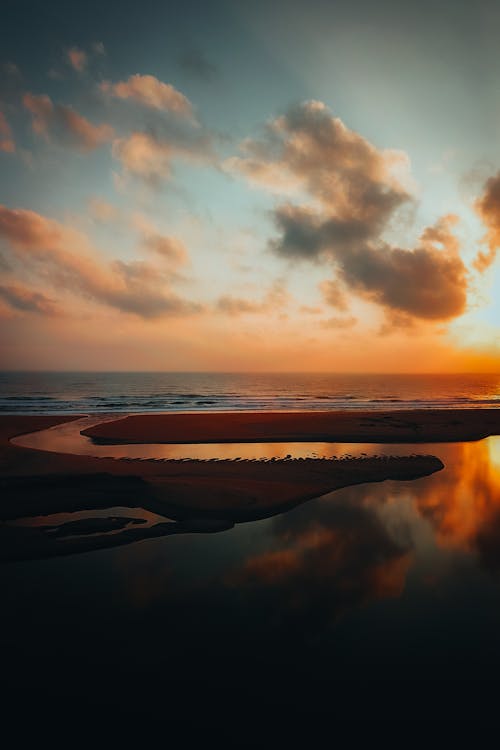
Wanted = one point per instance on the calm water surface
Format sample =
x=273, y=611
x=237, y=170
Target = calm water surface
x=377, y=601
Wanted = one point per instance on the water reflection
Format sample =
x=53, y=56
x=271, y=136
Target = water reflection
x=360, y=544
x=66, y=438
x=324, y=564
x=463, y=504
x=352, y=546
x=388, y=587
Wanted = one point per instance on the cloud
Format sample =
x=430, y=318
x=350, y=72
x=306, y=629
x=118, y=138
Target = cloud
x=307, y=234
x=77, y=58
x=11, y=80
x=26, y=300
x=194, y=62
x=65, y=124
x=341, y=169
x=234, y=306
x=488, y=209
x=276, y=298
x=338, y=323
x=98, y=48
x=262, y=173
x=355, y=191
x=62, y=257
x=151, y=93
x=310, y=310
x=144, y=156
x=102, y=211
x=11, y=69
x=334, y=295
x=429, y=282
x=170, y=249
x=7, y=144
x=148, y=156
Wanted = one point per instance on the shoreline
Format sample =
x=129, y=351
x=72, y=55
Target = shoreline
x=197, y=496
x=194, y=494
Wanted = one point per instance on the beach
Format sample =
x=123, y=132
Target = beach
x=196, y=495
x=243, y=582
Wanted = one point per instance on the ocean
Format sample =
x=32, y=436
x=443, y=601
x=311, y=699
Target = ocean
x=122, y=392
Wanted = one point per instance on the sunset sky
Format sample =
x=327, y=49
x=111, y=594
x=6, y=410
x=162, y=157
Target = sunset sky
x=250, y=186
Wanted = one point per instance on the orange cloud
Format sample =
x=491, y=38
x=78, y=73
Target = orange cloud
x=102, y=211
x=337, y=323
x=65, y=124
x=63, y=256
x=77, y=58
x=144, y=156
x=276, y=298
x=7, y=144
x=149, y=157
x=150, y=92
x=334, y=295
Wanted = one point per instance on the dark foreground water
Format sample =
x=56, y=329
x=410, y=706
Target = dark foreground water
x=88, y=393
x=375, y=603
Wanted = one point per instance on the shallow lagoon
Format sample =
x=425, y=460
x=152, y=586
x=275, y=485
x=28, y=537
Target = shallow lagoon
x=377, y=601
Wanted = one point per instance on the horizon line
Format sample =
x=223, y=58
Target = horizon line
x=244, y=372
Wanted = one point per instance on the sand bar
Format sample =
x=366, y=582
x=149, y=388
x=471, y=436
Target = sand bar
x=411, y=426
x=197, y=495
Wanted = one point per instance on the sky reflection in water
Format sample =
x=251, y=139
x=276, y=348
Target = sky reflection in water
x=388, y=581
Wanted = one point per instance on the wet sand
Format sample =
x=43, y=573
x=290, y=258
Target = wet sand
x=195, y=496
x=413, y=426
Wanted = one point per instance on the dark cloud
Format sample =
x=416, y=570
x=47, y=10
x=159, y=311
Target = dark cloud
x=26, y=300
x=356, y=196
x=429, y=282
x=194, y=62
x=10, y=82
x=7, y=144
x=488, y=209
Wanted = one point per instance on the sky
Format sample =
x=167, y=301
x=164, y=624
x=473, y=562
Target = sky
x=225, y=186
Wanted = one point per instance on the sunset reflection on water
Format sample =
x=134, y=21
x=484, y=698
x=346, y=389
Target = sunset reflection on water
x=390, y=588
x=337, y=556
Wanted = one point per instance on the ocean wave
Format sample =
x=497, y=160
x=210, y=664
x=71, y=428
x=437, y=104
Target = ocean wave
x=95, y=393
